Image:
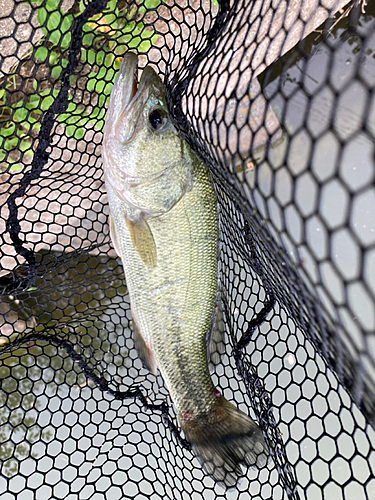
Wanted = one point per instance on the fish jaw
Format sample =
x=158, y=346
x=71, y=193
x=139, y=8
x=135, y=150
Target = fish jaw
x=122, y=93
x=124, y=89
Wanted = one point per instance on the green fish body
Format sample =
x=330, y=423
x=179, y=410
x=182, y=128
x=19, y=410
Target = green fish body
x=164, y=225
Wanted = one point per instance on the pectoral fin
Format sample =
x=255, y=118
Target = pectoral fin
x=112, y=233
x=144, y=351
x=143, y=240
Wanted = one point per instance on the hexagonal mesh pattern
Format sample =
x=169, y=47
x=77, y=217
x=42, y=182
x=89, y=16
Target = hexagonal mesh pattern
x=282, y=109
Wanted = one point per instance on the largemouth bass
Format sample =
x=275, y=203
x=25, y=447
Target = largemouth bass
x=164, y=225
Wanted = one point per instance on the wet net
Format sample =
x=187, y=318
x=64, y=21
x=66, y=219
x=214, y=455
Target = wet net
x=277, y=98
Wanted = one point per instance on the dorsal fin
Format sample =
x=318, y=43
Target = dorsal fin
x=215, y=339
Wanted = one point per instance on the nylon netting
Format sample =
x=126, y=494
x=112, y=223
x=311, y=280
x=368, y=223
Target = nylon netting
x=277, y=98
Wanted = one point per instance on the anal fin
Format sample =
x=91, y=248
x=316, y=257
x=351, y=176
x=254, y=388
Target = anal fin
x=144, y=351
x=143, y=240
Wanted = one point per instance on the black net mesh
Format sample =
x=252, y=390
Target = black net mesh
x=277, y=98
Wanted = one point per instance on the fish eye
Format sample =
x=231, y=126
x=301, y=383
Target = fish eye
x=158, y=119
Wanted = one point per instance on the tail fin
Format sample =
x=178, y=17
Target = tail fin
x=223, y=439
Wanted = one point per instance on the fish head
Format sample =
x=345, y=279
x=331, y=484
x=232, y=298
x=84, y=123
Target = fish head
x=145, y=161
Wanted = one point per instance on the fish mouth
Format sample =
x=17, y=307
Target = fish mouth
x=129, y=96
x=127, y=112
x=135, y=90
x=127, y=80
